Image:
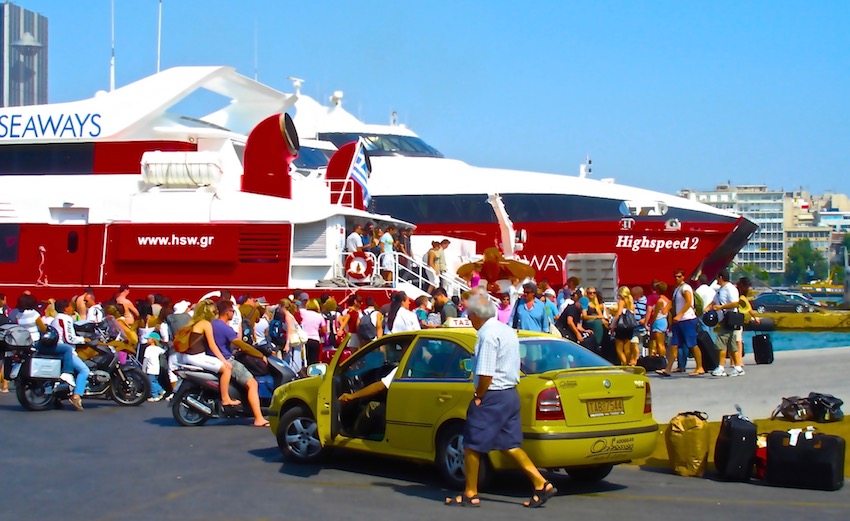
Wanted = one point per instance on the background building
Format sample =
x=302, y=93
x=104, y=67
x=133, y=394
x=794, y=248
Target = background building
x=23, y=76
x=766, y=208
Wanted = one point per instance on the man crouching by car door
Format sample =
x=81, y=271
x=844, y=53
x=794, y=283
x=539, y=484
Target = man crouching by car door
x=492, y=419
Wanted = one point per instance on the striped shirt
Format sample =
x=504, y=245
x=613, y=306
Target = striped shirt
x=640, y=308
x=496, y=355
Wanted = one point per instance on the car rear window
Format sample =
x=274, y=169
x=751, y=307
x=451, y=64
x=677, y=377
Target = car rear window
x=539, y=355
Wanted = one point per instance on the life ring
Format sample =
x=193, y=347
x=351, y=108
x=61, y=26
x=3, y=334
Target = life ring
x=359, y=266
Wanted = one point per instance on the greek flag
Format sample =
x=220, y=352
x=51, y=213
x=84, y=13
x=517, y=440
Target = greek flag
x=359, y=171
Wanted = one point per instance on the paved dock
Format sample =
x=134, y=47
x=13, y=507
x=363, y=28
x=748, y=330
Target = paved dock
x=760, y=390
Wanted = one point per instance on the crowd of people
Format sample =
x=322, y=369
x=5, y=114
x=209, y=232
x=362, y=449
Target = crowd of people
x=301, y=328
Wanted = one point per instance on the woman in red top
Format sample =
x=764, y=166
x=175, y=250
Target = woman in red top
x=349, y=321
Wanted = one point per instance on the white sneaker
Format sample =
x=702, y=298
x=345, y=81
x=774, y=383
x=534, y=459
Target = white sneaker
x=68, y=378
x=736, y=371
x=719, y=371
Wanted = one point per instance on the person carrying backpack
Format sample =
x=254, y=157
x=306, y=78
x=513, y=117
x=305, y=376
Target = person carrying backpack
x=371, y=323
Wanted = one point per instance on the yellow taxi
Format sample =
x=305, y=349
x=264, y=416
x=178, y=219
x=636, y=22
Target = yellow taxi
x=579, y=413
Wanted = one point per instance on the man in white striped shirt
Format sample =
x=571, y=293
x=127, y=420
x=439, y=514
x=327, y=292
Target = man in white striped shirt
x=492, y=418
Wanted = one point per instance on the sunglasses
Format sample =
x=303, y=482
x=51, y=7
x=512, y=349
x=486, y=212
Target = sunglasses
x=680, y=276
x=591, y=293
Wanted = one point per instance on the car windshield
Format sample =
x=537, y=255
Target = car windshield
x=541, y=354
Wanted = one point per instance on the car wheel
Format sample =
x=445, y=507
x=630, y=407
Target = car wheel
x=590, y=474
x=298, y=436
x=799, y=309
x=761, y=309
x=450, y=456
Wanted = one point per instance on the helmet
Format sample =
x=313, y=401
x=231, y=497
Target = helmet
x=49, y=338
x=709, y=318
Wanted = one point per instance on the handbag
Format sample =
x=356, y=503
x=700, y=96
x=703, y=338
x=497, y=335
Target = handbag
x=826, y=407
x=300, y=337
x=794, y=408
x=733, y=320
x=626, y=321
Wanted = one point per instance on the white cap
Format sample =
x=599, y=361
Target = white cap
x=182, y=306
x=549, y=291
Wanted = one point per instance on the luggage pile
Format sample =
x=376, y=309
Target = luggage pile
x=798, y=458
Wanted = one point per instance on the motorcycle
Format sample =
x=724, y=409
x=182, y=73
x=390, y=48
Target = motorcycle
x=38, y=376
x=198, y=396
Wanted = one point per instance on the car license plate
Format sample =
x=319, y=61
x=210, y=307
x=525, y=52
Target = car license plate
x=606, y=407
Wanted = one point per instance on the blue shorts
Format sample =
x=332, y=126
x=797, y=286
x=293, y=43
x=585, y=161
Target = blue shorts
x=684, y=333
x=660, y=325
x=495, y=424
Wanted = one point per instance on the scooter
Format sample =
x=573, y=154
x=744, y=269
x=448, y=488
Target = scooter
x=197, y=398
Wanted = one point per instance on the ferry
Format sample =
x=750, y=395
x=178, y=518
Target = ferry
x=553, y=222
x=121, y=189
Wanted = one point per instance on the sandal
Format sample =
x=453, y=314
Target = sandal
x=541, y=495
x=233, y=403
x=267, y=424
x=662, y=372
x=462, y=500
x=695, y=373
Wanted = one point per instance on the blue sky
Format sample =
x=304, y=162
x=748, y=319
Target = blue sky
x=663, y=95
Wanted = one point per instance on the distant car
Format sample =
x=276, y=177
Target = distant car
x=579, y=412
x=804, y=298
x=778, y=302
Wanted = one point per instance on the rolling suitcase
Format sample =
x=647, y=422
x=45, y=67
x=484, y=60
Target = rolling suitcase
x=735, y=449
x=804, y=459
x=709, y=351
x=763, y=349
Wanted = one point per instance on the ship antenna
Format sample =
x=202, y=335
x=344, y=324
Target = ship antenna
x=112, y=59
x=256, y=50
x=584, y=169
x=296, y=84
x=158, y=36
x=394, y=118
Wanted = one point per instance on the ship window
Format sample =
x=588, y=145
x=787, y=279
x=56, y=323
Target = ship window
x=40, y=159
x=385, y=144
x=312, y=158
x=437, y=209
x=10, y=234
x=73, y=242
x=643, y=208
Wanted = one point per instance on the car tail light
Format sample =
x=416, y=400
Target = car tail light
x=549, y=405
x=647, y=401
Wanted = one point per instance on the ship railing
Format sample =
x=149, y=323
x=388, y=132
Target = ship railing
x=409, y=269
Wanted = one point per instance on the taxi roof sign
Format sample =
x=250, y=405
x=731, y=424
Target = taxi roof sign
x=457, y=322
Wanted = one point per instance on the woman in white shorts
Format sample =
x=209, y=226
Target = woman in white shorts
x=201, y=341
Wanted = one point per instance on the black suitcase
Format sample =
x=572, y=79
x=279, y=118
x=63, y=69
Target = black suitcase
x=652, y=363
x=709, y=351
x=816, y=463
x=763, y=349
x=735, y=450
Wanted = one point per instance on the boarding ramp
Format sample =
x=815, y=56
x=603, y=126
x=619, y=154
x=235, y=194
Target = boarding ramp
x=598, y=270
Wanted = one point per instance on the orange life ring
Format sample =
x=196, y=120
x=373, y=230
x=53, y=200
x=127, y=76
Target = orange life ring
x=359, y=266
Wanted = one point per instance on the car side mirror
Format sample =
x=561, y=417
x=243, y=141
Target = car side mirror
x=317, y=370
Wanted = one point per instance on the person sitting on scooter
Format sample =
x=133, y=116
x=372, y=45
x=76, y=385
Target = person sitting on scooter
x=64, y=325
x=227, y=339
x=202, y=341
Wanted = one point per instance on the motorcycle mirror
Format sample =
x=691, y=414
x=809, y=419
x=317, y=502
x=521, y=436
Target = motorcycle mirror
x=317, y=370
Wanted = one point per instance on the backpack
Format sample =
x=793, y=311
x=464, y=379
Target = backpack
x=277, y=331
x=331, y=320
x=248, y=328
x=699, y=305
x=181, y=339
x=366, y=329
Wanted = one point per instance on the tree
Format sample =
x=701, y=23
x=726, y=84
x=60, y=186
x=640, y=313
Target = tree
x=752, y=271
x=805, y=264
